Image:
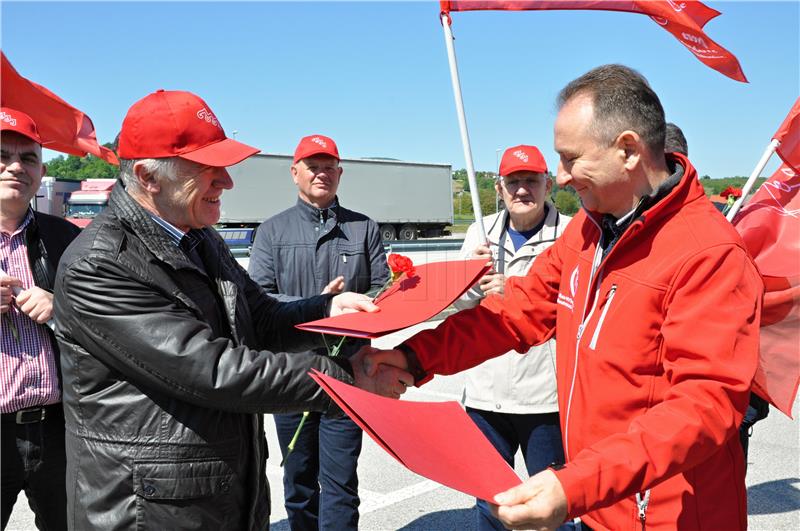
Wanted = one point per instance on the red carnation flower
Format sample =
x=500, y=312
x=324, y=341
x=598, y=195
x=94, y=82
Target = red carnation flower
x=731, y=191
x=400, y=264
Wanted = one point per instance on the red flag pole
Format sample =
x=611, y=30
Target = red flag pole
x=462, y=124
x=752, y=179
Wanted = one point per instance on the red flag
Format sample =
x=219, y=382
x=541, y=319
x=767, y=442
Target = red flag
x=61, y=126
x=770, y=228
x=684, y=20
x=788, y=135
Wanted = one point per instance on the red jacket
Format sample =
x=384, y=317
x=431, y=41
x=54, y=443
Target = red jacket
x=656, y=349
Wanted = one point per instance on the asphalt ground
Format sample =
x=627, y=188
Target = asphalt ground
x=392, y=497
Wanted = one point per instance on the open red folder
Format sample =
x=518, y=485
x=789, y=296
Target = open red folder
x=408, y=301
x=434, y=439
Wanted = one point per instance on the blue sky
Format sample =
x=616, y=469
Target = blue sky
x=374, y=75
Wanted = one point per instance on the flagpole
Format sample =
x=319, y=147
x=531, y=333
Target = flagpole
x=752, y=179
x=462, y=123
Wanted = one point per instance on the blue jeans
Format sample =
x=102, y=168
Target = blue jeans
x=320, y=483
x=539, y=437
x=33, y=460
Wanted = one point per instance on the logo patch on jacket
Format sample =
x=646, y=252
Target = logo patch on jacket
x=569, y=300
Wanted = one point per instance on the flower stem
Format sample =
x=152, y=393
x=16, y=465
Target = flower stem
x=294, y=437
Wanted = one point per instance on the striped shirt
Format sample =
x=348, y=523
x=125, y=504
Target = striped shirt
x=28, y=372
x=185, y=240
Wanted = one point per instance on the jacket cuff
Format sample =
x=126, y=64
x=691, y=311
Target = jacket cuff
x=414, y=366
x=333, y=410
x=572, y=482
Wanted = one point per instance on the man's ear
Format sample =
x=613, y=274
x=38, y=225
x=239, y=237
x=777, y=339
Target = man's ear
x=630, y=146
x=146, y=179
x=548, y=187
x=294, y=171
x=44, y=169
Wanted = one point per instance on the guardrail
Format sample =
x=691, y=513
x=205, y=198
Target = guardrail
x=398, y=246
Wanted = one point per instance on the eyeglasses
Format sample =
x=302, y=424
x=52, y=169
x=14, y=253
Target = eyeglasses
x=515, y=184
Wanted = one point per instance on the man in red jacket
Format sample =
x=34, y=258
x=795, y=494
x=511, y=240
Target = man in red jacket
x=654, y=303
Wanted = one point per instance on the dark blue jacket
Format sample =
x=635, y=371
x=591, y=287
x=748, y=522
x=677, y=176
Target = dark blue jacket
x=297, y=252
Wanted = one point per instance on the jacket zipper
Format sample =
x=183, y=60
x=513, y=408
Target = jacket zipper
x=641, y=503
x=596, y=262
x=593, y=343
x=598, y=257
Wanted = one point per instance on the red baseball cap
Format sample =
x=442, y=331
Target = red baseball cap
x=19, y=122
x=174, y=123
x=522, y=158
x=315, y=145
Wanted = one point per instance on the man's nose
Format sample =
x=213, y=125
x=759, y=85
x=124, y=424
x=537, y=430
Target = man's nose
x=224, y=180
x=563, y=177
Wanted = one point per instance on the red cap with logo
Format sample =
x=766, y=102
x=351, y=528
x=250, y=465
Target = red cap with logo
x=315, y=145
x=522, y=158
x=19, y=122
x=173, y=123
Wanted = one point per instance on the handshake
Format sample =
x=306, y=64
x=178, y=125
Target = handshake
x=383, y=372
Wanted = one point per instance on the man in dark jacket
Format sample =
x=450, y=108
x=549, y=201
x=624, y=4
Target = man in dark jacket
x=318, y=245
x=166, y=341
x=31, y=243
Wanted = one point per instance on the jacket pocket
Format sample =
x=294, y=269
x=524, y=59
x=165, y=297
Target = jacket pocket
x=606, y=307
x=185, y=495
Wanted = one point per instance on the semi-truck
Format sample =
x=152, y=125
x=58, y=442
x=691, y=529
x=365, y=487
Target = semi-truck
x=53, y=194
x=92, y=197
x=406, y=199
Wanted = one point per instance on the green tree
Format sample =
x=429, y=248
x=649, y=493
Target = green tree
x=80, y=168
x=566, y=202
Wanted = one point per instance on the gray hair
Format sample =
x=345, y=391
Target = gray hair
x=165, y=168
x=622, y=100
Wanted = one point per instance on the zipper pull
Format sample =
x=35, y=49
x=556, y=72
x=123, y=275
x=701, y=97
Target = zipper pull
x=580, y=330
x=641, y=502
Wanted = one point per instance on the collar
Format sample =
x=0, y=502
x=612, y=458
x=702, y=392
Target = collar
x=616, y=226
x=141, y=222
x=185, y=240
x=314, y=214
x=27, y=220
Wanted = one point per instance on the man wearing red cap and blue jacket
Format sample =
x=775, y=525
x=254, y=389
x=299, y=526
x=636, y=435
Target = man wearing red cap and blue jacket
x=317, y=246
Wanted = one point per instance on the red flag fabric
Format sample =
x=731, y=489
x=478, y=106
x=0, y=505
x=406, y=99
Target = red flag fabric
x=684, y=20
x=61, y=126
x=770, y=228
x=788, y=135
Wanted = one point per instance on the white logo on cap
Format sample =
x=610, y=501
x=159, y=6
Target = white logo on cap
x=8, y=118
x=521, y=155
x=319, y=141
x=208, y=116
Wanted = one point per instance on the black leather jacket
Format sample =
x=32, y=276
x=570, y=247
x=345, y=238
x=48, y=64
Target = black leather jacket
x=46, y=238
x=166, y=375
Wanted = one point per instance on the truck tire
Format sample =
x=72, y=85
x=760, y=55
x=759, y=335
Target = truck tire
x=388, y=233
x=408, y=232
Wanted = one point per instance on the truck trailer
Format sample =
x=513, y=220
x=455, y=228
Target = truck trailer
x=406, y=199
x=53, y=194
x=86, y=203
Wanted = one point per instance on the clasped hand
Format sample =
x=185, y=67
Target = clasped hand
x=492, y=282
x=35, y=302
x=383, y=372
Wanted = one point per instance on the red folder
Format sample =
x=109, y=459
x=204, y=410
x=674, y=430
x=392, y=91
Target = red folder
x=408, y=301
x=434, y=439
